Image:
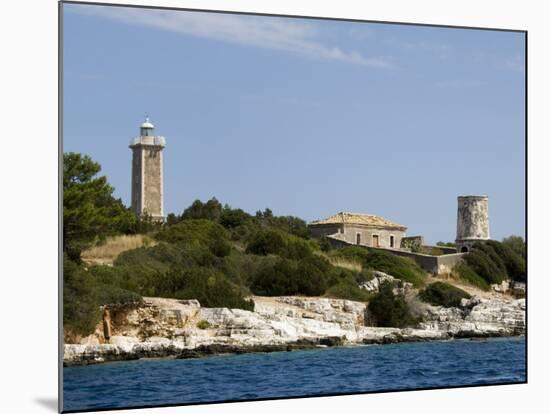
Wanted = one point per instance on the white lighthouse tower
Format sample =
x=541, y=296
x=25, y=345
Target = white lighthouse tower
x=147, y=175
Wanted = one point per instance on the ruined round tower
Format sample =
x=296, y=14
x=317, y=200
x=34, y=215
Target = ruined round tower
x=472, y=224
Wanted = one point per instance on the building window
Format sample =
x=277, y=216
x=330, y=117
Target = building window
x=375, y=240
x=358, y=238
x=392, y=242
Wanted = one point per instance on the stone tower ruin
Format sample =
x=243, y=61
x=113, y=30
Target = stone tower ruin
x=472, y=224
x=147, y=180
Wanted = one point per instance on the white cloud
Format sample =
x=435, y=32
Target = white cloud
x=287, y=35
x=442, y=51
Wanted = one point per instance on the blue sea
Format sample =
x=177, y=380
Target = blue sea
x=298, y=373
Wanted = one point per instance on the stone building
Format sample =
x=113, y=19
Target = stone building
x=472, y=223
x=360, y=229
x=147, y=175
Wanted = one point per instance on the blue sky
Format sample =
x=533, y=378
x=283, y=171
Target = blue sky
x=306, y=117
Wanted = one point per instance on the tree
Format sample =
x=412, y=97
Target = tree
x=389, y=309
x=172, y=219
x=80, y=301
x=517, y=244
x=211, y=210
x=232, y=218
x=89, y=209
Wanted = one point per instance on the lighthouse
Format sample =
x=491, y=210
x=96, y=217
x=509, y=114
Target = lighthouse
x=147, y=175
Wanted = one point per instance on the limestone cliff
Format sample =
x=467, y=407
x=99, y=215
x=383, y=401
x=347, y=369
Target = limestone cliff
x=182, y=328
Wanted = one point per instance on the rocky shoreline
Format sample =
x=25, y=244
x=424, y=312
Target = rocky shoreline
x=171, y=328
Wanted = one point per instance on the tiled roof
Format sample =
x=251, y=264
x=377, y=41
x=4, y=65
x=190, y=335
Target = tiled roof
x=357, y=218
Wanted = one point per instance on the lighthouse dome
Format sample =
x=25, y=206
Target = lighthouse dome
x=146, y=129
x=147, y=124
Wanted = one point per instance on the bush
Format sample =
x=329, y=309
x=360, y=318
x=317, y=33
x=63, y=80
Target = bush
x=351, y=253
x=489, y=250
x=203, y=324
x=514, y=263
x=276, y=242
x=443, y=294
x=113, y=295
x=517, y=245
x=390, y=310
x=211, y=288
x=200, y=231
x=277, y=280
x=312, y=274
x=346, y=289
x=466, y=273
x=445, y=244
x=400, y=267
x=80, y=300
x=324, y=244
x=181, y=270
x=481, y=263
x=211, y=210
x=233, y=218
x=266, y=242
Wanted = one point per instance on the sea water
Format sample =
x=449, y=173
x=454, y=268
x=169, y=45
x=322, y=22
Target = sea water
x=325, y=371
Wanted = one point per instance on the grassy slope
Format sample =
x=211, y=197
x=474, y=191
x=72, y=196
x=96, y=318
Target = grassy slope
x=108, y=251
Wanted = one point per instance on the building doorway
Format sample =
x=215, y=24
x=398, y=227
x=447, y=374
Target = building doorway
x=464, y=249
x=358, y=238
x=392, y=241
x=375, y=240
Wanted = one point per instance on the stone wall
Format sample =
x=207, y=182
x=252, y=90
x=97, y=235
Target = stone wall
x=412, y=242
x=152, y=185
x=437, y=265
x=136, y=180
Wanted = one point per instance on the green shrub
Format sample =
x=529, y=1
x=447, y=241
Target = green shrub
x=517, y=245
x=312, y=274
x=211, y=210
x=352, y=253
x=80, y=300
x=467, y=274
x=443, y=294
x=480, y=262
x=271, y=241
x=277, y=280
x=211, y=288
x=445, y=244
x=400, y=267
x=325, y=245
x=489, y=249
x=346, y=289
x=390, y=310
x=234, y=218
x=364, y=276
x=514, y=263
x=266, y=242
x=181, y=270
x=200, y=231
x=203, y=324
x=113, y=295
